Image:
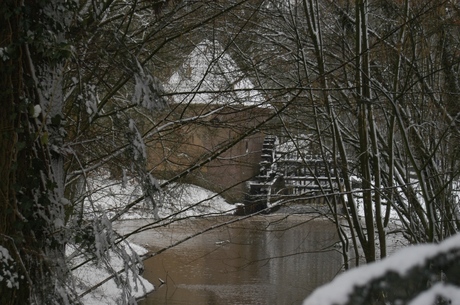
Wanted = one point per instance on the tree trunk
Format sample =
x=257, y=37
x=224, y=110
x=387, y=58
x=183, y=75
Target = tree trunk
x=32, y=268
x=363, y=93
x=13, y=286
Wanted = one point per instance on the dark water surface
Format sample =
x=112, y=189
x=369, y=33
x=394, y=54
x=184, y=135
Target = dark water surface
x=275, y=259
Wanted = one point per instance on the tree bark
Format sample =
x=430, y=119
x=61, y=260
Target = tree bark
x=32, y=268
x=13, y=289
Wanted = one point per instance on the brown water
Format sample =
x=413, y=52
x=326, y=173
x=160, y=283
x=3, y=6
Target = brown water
x=274, y=259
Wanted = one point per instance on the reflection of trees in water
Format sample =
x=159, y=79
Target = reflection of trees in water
x=303, y=256
x=266, y=259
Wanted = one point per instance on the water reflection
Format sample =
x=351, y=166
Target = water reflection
x=274, y=259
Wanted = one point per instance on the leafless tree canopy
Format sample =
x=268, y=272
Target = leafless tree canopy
x=116, y=86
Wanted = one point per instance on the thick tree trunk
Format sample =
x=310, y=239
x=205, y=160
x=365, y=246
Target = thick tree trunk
x=13, y=286
x=31, y=240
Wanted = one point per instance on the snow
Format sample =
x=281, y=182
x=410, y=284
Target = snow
x=209, y=75
x=91, y=99
x=6, y=261
x=37, y=109
x=139, y=151
x=145, y=89
x=4, y=54
x=91, y=274
x=400, y=262
x=429, y=297
x=107, y=198
x=181, y=200
x=188, y=200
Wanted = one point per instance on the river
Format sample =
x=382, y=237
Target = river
x=270, y=259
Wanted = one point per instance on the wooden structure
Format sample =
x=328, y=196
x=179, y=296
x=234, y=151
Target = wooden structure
x=288, y=172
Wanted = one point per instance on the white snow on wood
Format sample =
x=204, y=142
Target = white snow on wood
x=429, y=297
x=139, y=150
x=337, y=291
x=146, y=88
x=36, y=111
x=6, y=274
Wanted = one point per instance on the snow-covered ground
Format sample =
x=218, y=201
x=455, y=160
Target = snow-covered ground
x=93, y=273
x=105, y=198
x=181, y=200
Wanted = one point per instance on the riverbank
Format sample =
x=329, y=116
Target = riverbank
x=94, y=280
x=96, y=284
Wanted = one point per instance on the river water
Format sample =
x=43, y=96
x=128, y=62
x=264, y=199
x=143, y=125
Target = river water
x=271, y=259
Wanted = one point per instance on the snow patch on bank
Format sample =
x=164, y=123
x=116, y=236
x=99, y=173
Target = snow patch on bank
x=181, y=200
x=94, y=273
x=105, y=198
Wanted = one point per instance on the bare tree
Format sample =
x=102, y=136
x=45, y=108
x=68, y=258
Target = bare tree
x=373, y=86
x=372, y=83
x=82, y=93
